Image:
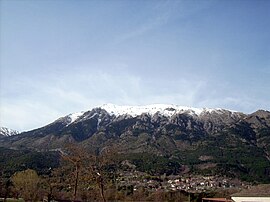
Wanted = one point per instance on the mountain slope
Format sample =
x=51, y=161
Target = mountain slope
x=204, y=140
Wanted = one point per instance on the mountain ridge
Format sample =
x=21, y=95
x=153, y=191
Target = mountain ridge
x=82, y=125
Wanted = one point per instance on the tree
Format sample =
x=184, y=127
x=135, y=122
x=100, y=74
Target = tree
x=98, y=165
x=5, y=187
x=76, y=157
x=27, y=184
x=87, y=168
x=8, y=185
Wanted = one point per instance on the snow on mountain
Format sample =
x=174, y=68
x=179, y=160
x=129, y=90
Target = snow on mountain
x=73, y=117
x=164, y=109
x=167, y=110
x=7, y=132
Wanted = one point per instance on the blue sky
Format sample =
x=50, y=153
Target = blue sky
x=64, y=56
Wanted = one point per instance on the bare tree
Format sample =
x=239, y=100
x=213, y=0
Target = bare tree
x=98, y=163
x=76, y=156
x=88, y=167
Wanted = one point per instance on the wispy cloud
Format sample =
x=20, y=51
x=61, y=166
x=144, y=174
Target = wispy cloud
x=73, y=92
x=147, y=26
x=158, y=15
x=162, y=13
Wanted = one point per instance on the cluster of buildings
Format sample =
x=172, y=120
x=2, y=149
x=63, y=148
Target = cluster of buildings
x=201, y=183
x=138, y=179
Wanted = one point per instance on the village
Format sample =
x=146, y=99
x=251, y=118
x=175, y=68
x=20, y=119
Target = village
x=136, y=180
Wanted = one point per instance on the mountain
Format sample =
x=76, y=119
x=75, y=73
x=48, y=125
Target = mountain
x=4, y=132
x=115, y=121
x=197, y=140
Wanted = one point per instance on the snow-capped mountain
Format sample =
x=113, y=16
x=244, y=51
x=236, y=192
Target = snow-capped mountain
x=7, y=132
x=111, y=122
x=169, y=111
x=115, y=120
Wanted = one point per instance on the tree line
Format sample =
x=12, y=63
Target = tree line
x=81, y=175
x=84, y=176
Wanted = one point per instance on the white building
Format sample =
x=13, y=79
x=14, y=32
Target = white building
x=250, y=199
x=260, y=193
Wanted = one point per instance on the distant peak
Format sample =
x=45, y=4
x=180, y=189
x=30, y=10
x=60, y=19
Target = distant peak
x=7, y=131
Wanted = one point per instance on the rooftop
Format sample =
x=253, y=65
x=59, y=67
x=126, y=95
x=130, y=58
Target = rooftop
x=216, y=200
x=262, y=190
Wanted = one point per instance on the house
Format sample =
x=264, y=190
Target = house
x=260, y=193
x=216, y=200
x=250, y=199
